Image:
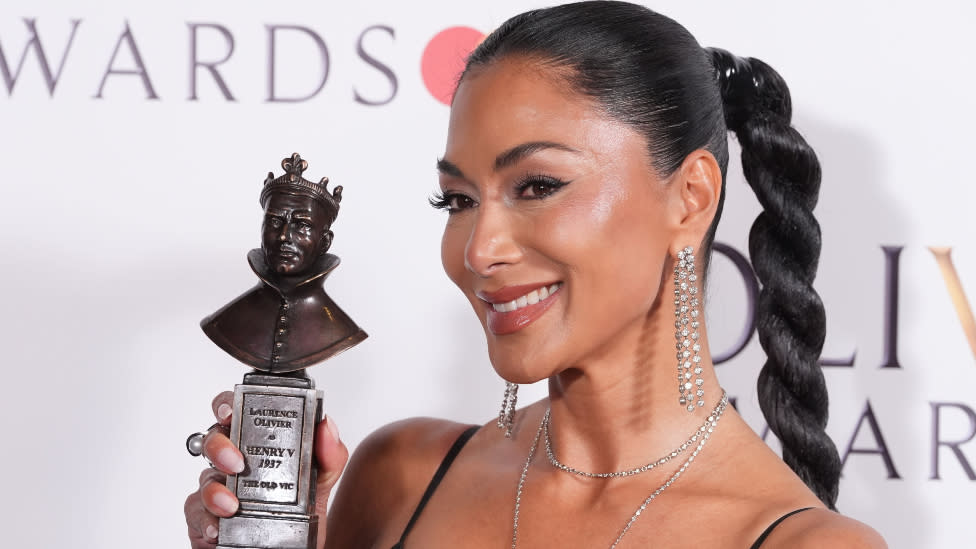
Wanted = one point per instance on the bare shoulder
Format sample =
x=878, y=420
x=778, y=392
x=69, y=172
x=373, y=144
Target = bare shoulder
x=823, y=528
x=407, y=443
x=385, y=477
x=754, y=488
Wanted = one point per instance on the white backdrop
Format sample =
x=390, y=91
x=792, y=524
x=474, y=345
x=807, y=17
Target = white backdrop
x=127, y=218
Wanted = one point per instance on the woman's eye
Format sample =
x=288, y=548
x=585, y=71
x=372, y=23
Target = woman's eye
x=452, y=202
x=460, y=202
x=539, y=187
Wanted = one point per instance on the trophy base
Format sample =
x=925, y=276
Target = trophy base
x=260, y=532
x=274, y=425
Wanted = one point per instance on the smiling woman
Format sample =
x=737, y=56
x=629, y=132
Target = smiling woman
x=584, y=178
x=546, y=183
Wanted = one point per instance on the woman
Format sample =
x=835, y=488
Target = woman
x=584, y=178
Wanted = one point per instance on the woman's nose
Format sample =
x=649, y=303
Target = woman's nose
x=493, y=243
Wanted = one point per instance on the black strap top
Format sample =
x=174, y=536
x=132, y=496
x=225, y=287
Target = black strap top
x=456, y=449
x=436, y=480
x=769, y=530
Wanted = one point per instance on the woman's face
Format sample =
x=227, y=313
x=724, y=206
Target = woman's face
x=558, y=229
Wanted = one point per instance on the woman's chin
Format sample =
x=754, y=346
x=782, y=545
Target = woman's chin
x=519, y=368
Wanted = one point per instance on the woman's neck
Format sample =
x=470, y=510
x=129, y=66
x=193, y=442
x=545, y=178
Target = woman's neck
x=622, y=410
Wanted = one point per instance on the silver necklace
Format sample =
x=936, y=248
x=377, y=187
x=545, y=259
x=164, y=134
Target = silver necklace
x=701, y=436
x=629, y=472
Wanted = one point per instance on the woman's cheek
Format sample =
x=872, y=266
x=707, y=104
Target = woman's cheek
x=584, y=222
x=452, y=250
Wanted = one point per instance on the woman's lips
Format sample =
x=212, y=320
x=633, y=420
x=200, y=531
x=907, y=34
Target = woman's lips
x=515, y=307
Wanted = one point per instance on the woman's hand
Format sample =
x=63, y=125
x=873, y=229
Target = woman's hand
x=213, y=499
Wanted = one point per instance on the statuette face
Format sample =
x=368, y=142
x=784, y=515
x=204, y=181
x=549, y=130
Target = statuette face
x=295, y=233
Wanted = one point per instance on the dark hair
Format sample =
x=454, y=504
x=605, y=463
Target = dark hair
x=647, y=71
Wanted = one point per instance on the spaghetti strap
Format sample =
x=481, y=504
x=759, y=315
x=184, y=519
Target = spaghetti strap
x=436, y=480
x=769, y=530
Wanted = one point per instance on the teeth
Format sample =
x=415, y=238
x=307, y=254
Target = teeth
x=505, y=307
x=530, y=298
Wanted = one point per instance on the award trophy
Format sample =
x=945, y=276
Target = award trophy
x=279, y=327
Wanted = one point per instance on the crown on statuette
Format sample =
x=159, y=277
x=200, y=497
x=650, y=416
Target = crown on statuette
x=293, y=182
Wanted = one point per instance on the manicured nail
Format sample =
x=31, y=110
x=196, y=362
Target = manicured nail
x=226, y=503
x=211, y=532
x=224, y=411
x=230, y=460
x=331, y=426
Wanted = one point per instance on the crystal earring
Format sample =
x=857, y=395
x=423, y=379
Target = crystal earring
x=686, y=324
x=506, y=416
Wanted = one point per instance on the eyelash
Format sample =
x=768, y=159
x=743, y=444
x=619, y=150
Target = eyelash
x=554, y=183
x=443, y=200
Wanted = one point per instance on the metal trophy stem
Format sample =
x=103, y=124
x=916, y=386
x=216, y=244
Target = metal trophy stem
x=273, y=425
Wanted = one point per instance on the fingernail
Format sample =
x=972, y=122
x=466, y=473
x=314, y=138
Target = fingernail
x=224, y=411
x=331, y=426
x=226, y=503
x=211, y=532
x=230, y=460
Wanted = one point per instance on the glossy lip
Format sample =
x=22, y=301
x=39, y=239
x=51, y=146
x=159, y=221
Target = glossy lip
x=510, y=322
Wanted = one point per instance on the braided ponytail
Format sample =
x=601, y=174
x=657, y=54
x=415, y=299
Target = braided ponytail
x=784, y=244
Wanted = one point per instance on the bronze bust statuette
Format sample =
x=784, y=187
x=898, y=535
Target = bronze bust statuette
x=287, y=322
x=282, y=325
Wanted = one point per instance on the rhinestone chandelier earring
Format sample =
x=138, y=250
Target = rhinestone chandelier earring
x=686, y=322
x=506, y=416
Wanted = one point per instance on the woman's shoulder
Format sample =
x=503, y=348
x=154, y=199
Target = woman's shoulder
x=402, y=451
x=387, y=474
x=823, y=528
x=752, y=489
x=397, y=456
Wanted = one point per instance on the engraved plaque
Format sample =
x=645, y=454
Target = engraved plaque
x=271, y=441
x=273, y=424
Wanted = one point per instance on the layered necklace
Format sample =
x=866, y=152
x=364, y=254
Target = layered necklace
x=700, y=436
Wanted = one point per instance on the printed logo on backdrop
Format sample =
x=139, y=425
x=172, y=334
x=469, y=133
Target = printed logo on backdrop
x=440, y=63
x=45, y=54
x=941, y=448
x=443, y=60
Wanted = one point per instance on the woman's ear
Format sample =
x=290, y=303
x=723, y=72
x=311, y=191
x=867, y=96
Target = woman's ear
x=697, y=188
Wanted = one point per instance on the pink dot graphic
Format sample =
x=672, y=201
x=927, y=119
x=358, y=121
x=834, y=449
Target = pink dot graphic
x=443, y=60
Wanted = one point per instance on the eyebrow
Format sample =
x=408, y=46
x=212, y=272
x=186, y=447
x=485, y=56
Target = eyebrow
x=447, y=167
x=507, y=158
x=518, y=152
x=305, y=214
